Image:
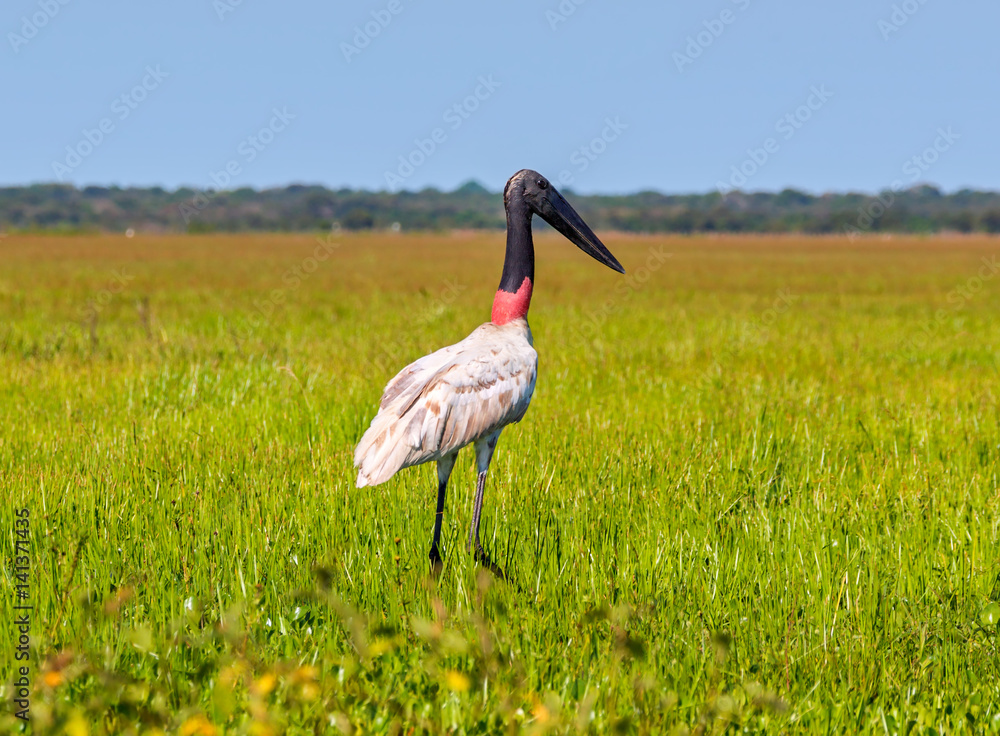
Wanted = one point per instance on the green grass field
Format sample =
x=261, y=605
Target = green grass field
x=756, y=491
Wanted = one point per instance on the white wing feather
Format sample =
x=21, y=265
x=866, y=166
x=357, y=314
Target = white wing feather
x=447, y=399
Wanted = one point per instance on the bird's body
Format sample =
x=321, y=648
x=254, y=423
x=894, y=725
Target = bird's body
x=468, y=392
x=446, y=400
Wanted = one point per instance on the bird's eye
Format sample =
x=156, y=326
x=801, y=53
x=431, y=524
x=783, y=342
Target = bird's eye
x=542, y=184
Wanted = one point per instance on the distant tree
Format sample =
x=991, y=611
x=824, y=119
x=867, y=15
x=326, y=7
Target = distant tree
x=358, y=219
x=472, y=187
x=991, y=221
x=792, y=197
x=963, y=221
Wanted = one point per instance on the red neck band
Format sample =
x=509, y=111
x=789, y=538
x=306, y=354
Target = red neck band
x=508, y=307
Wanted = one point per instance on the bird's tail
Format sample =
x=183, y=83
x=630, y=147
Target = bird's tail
x=382, y=451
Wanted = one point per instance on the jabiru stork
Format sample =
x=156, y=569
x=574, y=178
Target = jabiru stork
x=468, y=392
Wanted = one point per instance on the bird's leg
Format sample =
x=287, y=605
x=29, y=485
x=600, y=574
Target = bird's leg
x=435, y=554
x=484, y=454
x=477, y=511
x=444, y=467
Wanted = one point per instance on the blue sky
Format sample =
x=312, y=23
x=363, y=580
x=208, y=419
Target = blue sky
x=607, y=97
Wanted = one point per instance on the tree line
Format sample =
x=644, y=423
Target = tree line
x=65, y=208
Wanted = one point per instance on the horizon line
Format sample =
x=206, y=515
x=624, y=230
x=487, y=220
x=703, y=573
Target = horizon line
x=476, y=184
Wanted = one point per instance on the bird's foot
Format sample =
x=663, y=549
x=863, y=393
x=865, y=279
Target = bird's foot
x=483, y=559
x=436, y=562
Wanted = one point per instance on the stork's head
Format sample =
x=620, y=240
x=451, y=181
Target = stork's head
x=534, y=190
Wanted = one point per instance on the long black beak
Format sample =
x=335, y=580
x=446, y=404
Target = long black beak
x=559, y=214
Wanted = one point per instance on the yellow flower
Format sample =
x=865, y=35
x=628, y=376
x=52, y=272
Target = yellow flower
x=456, y=681
x=309, y=691
x=306, y=673
x=198, y=726
x=53, y=678
x=541, y=713
x=264, y=684
x=77, y=726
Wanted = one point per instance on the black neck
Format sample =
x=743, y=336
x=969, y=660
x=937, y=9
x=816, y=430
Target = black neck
x=519, y=261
